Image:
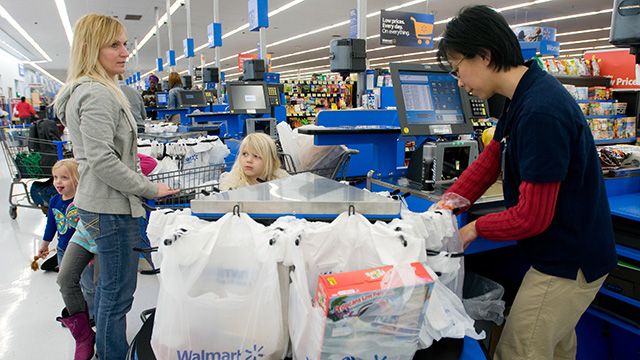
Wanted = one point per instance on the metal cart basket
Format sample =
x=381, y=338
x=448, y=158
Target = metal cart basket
x=193, y=183
x=336, y=170
x=28, y=160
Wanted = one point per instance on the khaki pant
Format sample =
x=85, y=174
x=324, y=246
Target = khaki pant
x=545, y=312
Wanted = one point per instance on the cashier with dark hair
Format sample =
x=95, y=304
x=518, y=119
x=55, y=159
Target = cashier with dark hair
x=554, y=193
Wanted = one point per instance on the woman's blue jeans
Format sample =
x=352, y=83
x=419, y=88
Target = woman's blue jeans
x=115, y=236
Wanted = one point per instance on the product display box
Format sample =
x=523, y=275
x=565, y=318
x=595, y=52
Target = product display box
x=358, y=306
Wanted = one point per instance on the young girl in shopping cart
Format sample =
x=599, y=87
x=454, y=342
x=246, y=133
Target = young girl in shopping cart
x=257, y=162
x=75, y=251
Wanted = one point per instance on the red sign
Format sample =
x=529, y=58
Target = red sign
x=243, y=57
x=618, y=64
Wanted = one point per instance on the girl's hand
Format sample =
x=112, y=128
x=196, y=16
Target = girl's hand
x=43, y=251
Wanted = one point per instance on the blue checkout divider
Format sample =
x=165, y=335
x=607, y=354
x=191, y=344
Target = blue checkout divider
x=380, y=154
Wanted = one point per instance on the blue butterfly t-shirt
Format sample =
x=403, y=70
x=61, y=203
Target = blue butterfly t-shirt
x=62, y=218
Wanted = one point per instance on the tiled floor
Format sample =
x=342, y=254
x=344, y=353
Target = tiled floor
x=30, y=301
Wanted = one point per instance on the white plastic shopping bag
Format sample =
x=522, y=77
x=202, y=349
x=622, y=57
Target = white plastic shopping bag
x=219, y=294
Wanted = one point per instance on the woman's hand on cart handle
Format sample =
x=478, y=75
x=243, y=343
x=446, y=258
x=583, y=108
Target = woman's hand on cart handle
x=165, y=190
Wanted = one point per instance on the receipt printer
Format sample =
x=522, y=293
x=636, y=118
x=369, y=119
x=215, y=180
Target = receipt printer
x=436, y=164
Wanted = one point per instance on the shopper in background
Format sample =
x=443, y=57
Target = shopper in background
x=136, y=103
x=556, y=203
x=25, y=111
x=257, y=162
x=103, y=133
x=175, y=87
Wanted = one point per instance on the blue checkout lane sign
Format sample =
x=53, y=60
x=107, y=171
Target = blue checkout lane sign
x=353, y=23
x=406, y=29
x=214, y=35
x=258, y=14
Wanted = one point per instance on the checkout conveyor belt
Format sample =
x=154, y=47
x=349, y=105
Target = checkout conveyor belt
x=303, y=195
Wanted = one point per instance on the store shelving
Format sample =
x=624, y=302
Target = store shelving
x=596, y=101
x=605, y=116
x=616, y=141
x=304, y=99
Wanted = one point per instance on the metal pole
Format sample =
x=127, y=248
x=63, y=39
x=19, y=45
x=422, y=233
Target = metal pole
x=216, y=51
x=158, y=34
x=190, y=60
x=216, y=19
x=361, y=6
x=135, y=41
x=263, y=44
x=169, y=28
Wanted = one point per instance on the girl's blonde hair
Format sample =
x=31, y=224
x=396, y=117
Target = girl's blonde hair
x=90, y=34
x=72, y=167
x=263, y=146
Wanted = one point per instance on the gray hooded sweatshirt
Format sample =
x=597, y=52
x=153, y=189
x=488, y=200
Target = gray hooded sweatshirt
x=104, y=138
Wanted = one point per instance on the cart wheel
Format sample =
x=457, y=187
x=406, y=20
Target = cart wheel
x=13, y=212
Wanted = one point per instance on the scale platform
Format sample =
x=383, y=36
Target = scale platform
x=303, y=195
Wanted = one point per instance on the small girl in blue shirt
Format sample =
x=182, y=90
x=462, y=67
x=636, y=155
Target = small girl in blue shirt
x=62, y=217
x=75, y=277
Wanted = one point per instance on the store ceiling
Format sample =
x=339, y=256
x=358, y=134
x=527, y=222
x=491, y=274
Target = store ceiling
x=41, y=21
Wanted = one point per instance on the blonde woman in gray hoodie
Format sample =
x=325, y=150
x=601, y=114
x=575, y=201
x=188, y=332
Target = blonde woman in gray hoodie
x=109, y=196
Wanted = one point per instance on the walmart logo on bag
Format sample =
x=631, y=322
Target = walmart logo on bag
x=255, y=353
x=375, y=357
x=252, y=353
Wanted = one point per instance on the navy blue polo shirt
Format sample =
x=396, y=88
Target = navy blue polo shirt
x=545, y=138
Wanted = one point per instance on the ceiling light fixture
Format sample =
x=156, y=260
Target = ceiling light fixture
x=163, y=19
x=64, y=17
x=5, y=14
x=566, y=17
x=37, y=67
x=582, y=31
x=583, y=41
x=16, y=51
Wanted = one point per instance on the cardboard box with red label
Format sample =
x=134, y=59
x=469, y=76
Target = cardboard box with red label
x=359, y=306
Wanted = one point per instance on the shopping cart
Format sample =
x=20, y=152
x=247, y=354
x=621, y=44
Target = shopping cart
x=424, y=31
x=29, y=160
x=193, y=183
x=336, y=169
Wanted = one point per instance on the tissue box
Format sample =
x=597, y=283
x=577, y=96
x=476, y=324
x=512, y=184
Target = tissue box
x=356, y=307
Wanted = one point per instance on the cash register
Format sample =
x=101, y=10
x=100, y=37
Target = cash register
x=432, y=109
x=253, y=98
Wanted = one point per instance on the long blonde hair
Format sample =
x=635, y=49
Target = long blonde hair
x=263, y=146
x=91, y=33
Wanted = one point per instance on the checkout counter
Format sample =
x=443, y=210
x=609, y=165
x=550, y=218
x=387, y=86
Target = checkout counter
x=430, y=113
x=253, y=107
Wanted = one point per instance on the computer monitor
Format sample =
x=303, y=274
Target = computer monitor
x=161, y=99
x=428, y=101
x=190, y=98
x=262, y=125
x=248, y=98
